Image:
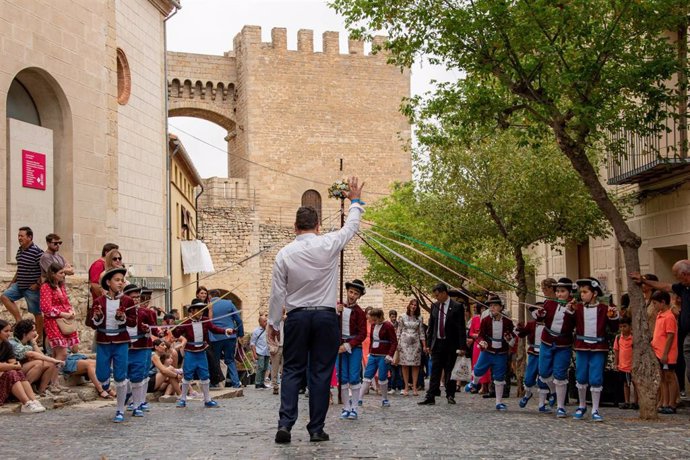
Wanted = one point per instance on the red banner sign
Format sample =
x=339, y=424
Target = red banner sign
x=33, y=170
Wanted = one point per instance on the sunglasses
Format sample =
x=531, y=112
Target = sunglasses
x=59, y=243
x=117, y=258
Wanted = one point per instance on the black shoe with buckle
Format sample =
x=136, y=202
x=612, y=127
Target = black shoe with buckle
x=283, y=435
x=451, y=400
x=319, y=436
x=427, y=402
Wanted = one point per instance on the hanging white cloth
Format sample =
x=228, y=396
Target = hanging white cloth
x=195, y=257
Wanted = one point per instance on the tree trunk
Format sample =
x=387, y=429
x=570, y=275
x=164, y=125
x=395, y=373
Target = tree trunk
x=645, y=367
x=521, y=278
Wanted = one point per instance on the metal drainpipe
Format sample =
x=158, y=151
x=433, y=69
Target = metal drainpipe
x=168, y=158
x=196, y=222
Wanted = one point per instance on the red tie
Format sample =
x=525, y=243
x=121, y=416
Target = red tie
x=441, y=323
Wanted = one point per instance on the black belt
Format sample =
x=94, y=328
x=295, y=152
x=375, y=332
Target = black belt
x=312, y=309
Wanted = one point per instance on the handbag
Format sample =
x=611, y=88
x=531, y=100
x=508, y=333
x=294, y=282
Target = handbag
x=396, y=358
x=66, y=326
x=462, y=371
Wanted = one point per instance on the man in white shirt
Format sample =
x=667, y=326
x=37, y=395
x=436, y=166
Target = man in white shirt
x=305, y=281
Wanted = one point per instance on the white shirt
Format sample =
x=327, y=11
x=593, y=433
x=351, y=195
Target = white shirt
x=305, y=272
x=198, y=329
x=375, y=339
x=111, y=306
x=590, y=320
x=497, y=333
x=347, y=312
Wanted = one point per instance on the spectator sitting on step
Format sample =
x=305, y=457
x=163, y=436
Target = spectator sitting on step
x=175, y=344
x=36, y=366
x=12, y=379
x=164, y=376
x=78, y=364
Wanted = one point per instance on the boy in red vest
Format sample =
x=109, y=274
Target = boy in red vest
x=383, y=343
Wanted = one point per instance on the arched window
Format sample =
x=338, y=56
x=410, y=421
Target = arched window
x=20, y=104
x=312, y=198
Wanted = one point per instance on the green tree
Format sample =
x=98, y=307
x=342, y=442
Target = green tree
x=499, y=199
x=573, y=69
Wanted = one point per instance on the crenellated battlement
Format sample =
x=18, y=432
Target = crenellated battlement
x=250, y=37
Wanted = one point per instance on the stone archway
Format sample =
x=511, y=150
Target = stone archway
x=54, y=113
x=225, y=294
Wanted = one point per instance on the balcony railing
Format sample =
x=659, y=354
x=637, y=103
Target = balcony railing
x=650, y=157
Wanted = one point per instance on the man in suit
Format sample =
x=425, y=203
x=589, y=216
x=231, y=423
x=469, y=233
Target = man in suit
x=446, y=339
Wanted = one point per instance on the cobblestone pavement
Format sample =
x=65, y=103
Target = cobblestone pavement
x=244, y=428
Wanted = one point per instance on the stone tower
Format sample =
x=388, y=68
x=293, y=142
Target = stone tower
x=293, y=118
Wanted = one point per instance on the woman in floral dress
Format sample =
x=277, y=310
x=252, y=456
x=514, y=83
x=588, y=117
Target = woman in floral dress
x=55, y=304
x=410, y=343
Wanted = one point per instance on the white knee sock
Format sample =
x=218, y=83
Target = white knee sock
x=345, y=395
x=528, y=391
x=138, y=394
x=596, y=398
x=582, y=395
x=384, y=389
x=364, y=389
x=561, y=392
x=542, y=396
x=121, y=388
x=185, y=390
x=499, y=391
x=204, y=384
x=551, y=385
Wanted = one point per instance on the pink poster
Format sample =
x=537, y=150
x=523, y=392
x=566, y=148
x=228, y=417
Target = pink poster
x=33, y=170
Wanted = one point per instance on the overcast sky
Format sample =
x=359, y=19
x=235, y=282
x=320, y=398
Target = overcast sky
x=209, y=26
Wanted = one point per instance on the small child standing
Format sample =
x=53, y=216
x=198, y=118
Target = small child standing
x=665, y=347
x=196, y=333
x=533, y=330
x=111, y=315
x=591, y=346
x=623, y=359
x=496, y=336
x=383, y=343
x=260, y=351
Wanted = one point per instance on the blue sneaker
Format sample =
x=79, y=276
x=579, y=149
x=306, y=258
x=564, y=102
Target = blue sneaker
x=501, y=407
x=360, y=403
x=525, y=399
x=469, y=387
x=596, y=417
x=545, y=409
x=345, y=414
x=181, y=403
x=561, y=413
x=145, y=407
x=552, y=399
x=130, y=406
x=137, y=412
x=579, y=413
x=353, y=415
x=385, y=403
x=119, y=417
x=210, y=404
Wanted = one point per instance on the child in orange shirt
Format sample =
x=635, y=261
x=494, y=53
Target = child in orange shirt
x=623, y=359
x=665, y=345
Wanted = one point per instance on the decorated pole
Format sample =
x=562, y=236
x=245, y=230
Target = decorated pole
x=339, y=190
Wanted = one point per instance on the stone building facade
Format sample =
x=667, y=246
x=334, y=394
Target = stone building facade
x=82, y=90
x=297, y=121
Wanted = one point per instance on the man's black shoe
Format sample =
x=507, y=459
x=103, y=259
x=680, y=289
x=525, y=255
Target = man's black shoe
x=319, y=437
x=283, y=435
x=451, y=400
x=489, y=395
x=427, y=402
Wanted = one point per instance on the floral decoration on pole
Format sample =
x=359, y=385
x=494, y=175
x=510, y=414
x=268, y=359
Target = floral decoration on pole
x=339, y=189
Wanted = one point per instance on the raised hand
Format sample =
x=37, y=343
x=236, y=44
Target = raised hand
x=355, y=188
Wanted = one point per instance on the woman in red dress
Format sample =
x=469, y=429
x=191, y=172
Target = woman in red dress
x=55, y=304
x=474, y=343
